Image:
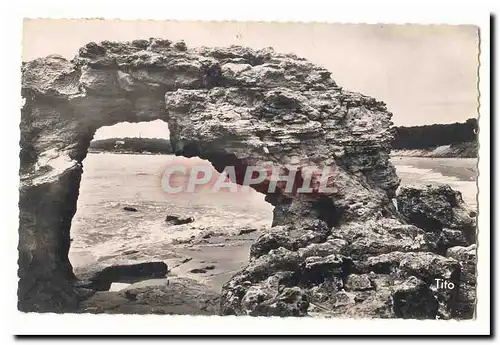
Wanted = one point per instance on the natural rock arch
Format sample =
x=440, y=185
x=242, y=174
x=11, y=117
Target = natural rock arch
x=224, y=105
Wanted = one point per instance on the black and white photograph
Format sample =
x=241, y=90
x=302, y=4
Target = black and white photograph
x=306, y=170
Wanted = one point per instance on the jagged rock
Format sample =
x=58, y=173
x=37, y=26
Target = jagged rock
x=174, y=220
x=332, y=246
x=435, y=208
x=102, y=280
x=316, y=269
x=424, y=265
x=466, y=256
x=130, y=209
x=269, y=241
x=290, y=237
x=276, y=260
x=84, y=293
x=323, y=296
x=83, y=284
x=276, y=268
x=283, y=268
x=267, y=298
x=182, y=240
x=207, y=234
x=130, y=252
x=309, y=236
x=358, y=282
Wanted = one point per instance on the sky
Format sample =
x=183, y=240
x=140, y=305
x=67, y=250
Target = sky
x=425, y=74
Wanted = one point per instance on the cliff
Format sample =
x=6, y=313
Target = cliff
x=131, y=145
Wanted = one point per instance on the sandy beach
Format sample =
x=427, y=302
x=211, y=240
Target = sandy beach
x=207, y=251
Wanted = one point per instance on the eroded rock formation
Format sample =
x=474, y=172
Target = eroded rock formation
x=347, y=252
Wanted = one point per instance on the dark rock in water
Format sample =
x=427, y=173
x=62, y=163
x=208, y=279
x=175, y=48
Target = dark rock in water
x=198, y=270
x=130, y=209
x=209, y=267
x=434, y=208
x=246, y=231
x=102, y=280
x=174, y=220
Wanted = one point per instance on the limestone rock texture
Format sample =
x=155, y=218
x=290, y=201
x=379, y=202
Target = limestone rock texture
x=347, y=252
x=439, y=210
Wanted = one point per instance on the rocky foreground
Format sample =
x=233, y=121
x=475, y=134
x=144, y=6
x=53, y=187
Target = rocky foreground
x=348, y=252
x=381, y=268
